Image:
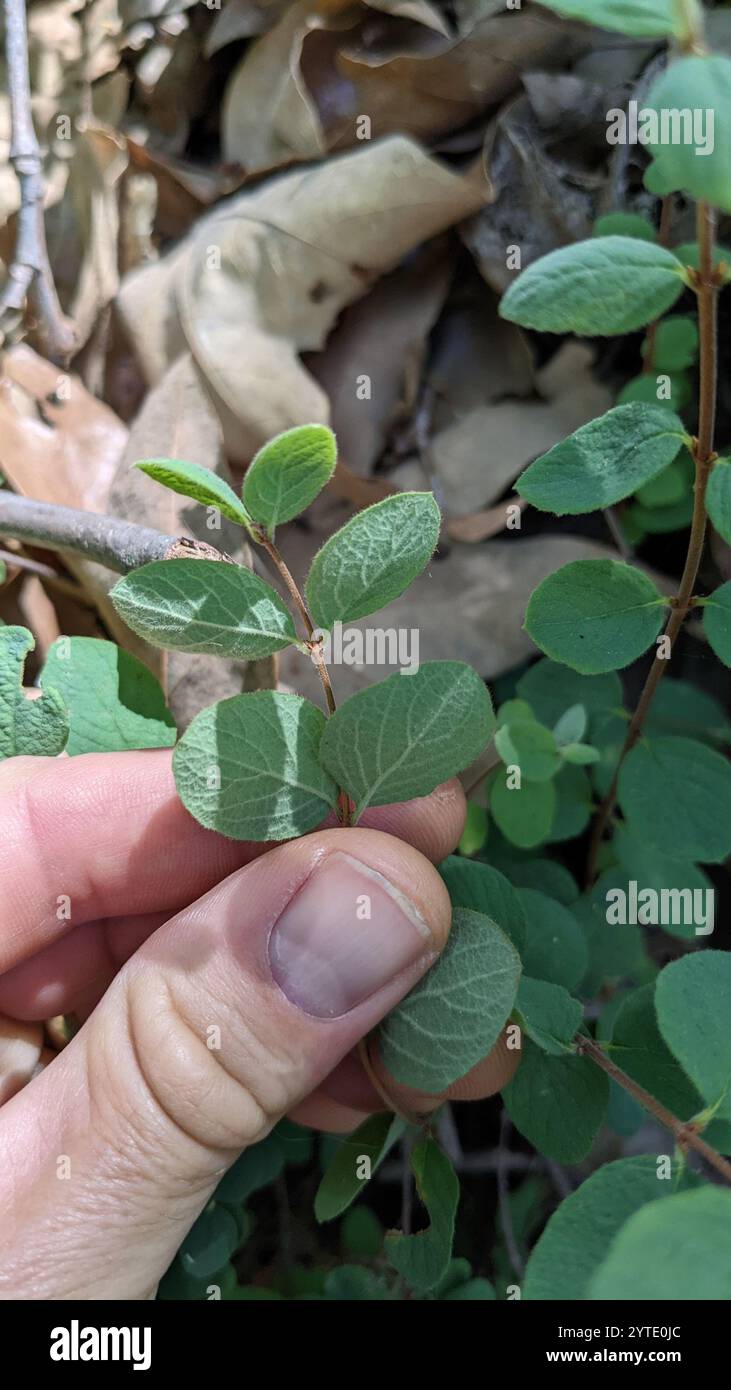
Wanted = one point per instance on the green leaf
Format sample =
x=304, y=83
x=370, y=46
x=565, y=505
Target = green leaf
x=675, y=345
x=210, y=1242
x=664, y=874
x=689, y=253
x=605, y=286
x=718, y=498
x=288, y=473
x=614, y=954
x=657, y=521
x=571, y=727
x=256, y=1167
x=624, y=224
x=669, y=389
x=373, y=558
x=675, y=1249
x=669, y=487
x=461, y=1005
x=595, y=615
x=573, y=804
x=362, y=1151
x=557, y=1103
x=692, y=999
x=482, y=888
x=401, y=738
x=681, y=708
x=361, y=1234
x=113, y=701
x=577, y=1236
x=548, y=1014
x=525, y=813
x=604, y=461
x=688, y=89
x=249, y=767
x=637, y=1046
x=651, y=19
x=581, y=754
x=531, y=747
x=717, y=622
x=35, y=727
x=355, y=1284
x=472, y=1290
x=552, y=688
x=677, y=792
x=423, y=1259
x=555, y=948
x=202, y=484
x=546, y=875
x=204, y=606
x=474, y=834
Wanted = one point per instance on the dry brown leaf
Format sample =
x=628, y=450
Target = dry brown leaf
x=481, y=526
x=99, y=161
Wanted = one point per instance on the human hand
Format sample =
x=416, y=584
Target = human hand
x=221, y=985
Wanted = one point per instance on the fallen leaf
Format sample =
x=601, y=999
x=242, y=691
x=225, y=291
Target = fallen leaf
x=480, y=526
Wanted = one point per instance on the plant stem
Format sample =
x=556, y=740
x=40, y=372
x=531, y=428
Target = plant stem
x=314, y=643
x=47, y=574
x=685, y=1134
x=706, y=285
x=663, y=239
x=120, y=545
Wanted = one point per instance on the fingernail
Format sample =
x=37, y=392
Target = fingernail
x=346, y=933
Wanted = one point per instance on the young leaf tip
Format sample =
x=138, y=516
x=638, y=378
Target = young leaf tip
x=288, y=473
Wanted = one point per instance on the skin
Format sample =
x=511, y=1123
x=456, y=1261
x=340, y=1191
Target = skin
x=118, y=907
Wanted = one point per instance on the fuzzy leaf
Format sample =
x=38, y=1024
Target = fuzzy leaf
x=482, y=888
x=557, y=1103
x=718, y=498
x=571, y=727
x=341, y=1183
x=604, y=461
x=460, y=1006
x=524, y=814
x=548, y=1014
x=529, y=746
x=201, y=484
x=35, y=727
x=676, y=792
x=692, y=85
x=288, y=473
x=579, y=1233
x=555, y=949
x=639, y=1049
x=551, y=688
x=401, y=738
x=204, y=606
x=650, y=19
x=676, y=344
x=717, y=622
x=373, y=558
x=675, y=1249
x=249, y=767
x=423, y=1259
x=692, y=999
x=113, y=701
x=605, y=286
x=595, y=615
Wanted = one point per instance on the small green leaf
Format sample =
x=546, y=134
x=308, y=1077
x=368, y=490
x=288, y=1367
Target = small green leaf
x=670, y=877
x=675, y=1249
x=462, y=1005
x=210, y=1242
x=201, y=484
x=573, y=803
x=692, y=999
x=669, y=389
x=670, y=486
x=548, y=1014
x=249, y=767
x=675, y=345
x=423, y=1259
x=718, y=498
x=650, y=19
x=373, y=558
x=474, y=834
x=677, y=793
x=571, y=727
x=355, y=1284
x=605, y=286
x=288, y=473
x=689, y=253
x=555, y=948
x=689, y=88
x=361, y=1234
x=658, y=521
x=482, y=888
x=595, y=615
x=551, y=688
x=581, y=754
x=681, y=708
x=257, y=1166
x=638, y=1047
x=204, y=606
x=343, y=1181
x=604, y=461
x=525, y=813
x=614, y=954
x=575, y=1241
x=717, y=622
x=531, y=747
x=113, y=701
x=31, y=727
x=557, y=1103
x=624, y=224
x=401, y=738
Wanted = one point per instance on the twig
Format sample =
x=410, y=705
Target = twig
x=706, y=285
x=47, y=574
x=30, y=281
x=120, y=545
x=684, y=1131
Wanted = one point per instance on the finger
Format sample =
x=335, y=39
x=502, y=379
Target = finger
x=225, y=1020
x=106, y=835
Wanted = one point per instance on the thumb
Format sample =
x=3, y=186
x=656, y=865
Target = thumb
x=228, y=1016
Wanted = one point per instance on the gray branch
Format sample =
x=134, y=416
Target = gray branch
x=120, y=545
